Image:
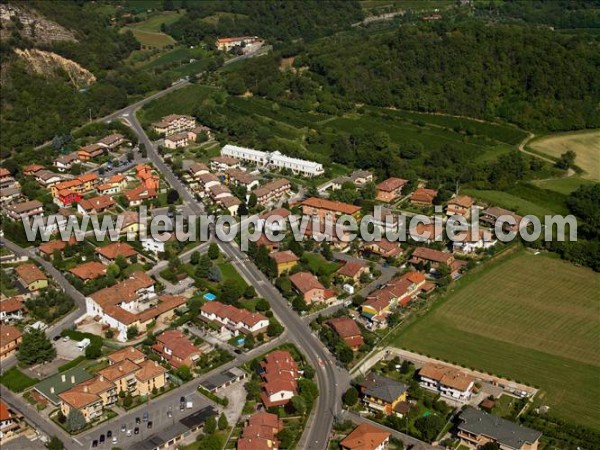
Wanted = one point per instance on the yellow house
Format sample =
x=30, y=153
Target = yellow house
x=32, y=278
x=89, y=397
x=122, y=375
x=285, y=261
x=151, y=375
x=383, y=394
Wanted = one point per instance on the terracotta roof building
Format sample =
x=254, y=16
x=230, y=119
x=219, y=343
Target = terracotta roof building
x=89, y=270
x=423, y=197
x=311, y=288
x=31, y=277
x=390, y=189
x=260, y=432
x=280, y=374
x=348, y=330
x=174, y=347
x=447, y=381
x=236, y=320
x=366, y=437
x=109, y=253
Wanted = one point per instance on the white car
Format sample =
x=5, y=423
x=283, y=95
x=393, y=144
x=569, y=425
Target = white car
x=114, y=440
x=128, y=432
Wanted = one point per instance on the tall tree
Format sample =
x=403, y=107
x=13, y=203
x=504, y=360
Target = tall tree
x=35, y=348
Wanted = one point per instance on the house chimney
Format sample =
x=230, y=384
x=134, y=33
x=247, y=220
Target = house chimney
x=63, y=378
x=156, y=363
x=120, y=368
x=52, y=389
x=86, y=389
x=101, y=377
x=72, y=379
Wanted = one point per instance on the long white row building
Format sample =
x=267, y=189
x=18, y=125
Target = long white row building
x=274, y=159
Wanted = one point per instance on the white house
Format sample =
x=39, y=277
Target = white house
x=245, y=154
x=465, y=243
x=234, y=319
x=155, y=245
x=447, y=381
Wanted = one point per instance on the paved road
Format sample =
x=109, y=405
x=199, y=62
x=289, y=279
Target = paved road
x=78, y=297
x=331, y=380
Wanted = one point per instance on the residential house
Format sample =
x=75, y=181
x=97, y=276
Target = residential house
x=358, y=178
x=223, y=163
x=352, y=271
x=112, y=141
x=196, y=169
x=491, y=215
x=10, y=194
x=447, y=381
x=174, y=347
x=131, y=223
x=234, y=319
x=272, y=191
x=5, y=174
x=177, y=140
x=285, y=260
x=107, y=189
x=91, y=151
x=382, y=394
x=138, y=195
x=31, y=277
x=423, y=197
x=23, y=210
x=427, y=232
x=12, y=309
x=109, y=253
x=47, y=249
x=66, y=197
x=65, y=162
x=390, y=189
x=274, y=159
x=47, y=178
x=471, y=241
x=477, y=428
x=260, y=432
x=311, y=289
x=118, y=181
x=151, y=377
x=32, y=169
x=89, y=397
x=147, y=177
x=130, y=353
x=398, y=292
x=195, y=132
x=208, y=180
x=348, y=330
x=226, y=44
x=51, y=387
x=428, y=256
x=265, y=241
x=230, y=203
x=275, y=220
x=241, y=178
x=10, y=338
x=157, y=244
x=131, y=302
x=89, y=271
x=366, y=437
x=460, y=206
x=95, y=205
x=218, y=192
x=81, y=184
x=9, y=422
x=383, y=248
x=328, y=210
x=174, y=123
x=280, y=376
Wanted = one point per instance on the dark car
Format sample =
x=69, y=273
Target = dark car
x=136, y=430
x=101, y=440
x=94, y=443
x=150, y=424
x=56, y=338
x=137, y=421
x=108, y=434
x=238, y=351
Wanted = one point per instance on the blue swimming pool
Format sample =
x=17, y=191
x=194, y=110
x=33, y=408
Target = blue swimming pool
x=209, y=296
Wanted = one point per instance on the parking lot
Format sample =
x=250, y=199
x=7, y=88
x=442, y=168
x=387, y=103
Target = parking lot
x=163, y=412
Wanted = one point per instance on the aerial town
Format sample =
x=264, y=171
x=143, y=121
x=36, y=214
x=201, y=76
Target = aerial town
x=308, y=337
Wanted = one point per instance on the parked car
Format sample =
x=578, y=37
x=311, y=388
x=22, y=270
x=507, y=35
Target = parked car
x=114, y=440
x=56, y=338
x=128, y=432
x=94, y=443
x=137, y=421
x=150, y=424
x=108, y=434
x=136, y=430
x=123, y=428
x=101, y=440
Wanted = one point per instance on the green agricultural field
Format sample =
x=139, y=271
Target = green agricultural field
x=181, y=101
x=152, y=39
x=153, y=23
x=530, y=318
x=585, y=144
x=564, y=185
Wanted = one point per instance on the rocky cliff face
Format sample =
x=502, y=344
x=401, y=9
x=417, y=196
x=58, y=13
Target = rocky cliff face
x=49, y=64
x=31, y=25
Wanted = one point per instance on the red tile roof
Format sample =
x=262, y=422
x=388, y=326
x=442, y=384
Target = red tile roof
x=5, y=413
x=48, y=248
x=177, y=342
x=305, y=282
x=430, y=254
x=30, y=273
x=348, y=330
x=351, y=269
x=111, y=251
x=89, y=270
x=423, y=195
x=391, y=184
x=284, y=257
x=321, y=203
x=365, y=437
x=8, y=334
x=236, y=315
x=12, y=304
x=97, y=203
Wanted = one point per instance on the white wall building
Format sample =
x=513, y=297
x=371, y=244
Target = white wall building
x=274, y=159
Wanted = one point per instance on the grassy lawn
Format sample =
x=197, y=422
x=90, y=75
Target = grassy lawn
x=564, y=185
x=530, y=318
x=318, y=264
x=16, y=381
x=182, y=101
x=230, y=274
x=585, y=144
x=515, y=201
